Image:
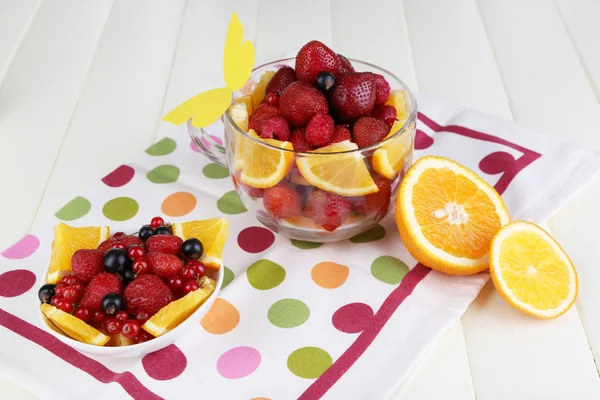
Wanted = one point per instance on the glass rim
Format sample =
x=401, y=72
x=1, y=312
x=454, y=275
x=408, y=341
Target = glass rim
x=405, y=128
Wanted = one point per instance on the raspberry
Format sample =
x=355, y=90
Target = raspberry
x=340, y=133
x=167, y=244
x=326, y=209
x=164, y=265
x=385, y=113
x=276, y=128
x=125, y=242
x=262, y=113
x=300, y=102
x=102, y=284
x=282, y=79
x=313, y=58
x=86, y=264
x=379, y=202
x=319, y=130
x=148, y=293
x=282, y=201
x=354, y=95
x=298, y=140
x=368, y=131
x=382, y=89
x=345, y=65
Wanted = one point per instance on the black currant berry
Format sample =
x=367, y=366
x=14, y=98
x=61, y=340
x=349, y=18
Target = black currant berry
x=128, y=275
x=325, y=81
x=145, y=232
x=46, y=293
x=164, y=230
x=192, y=249
x=116, y=260
x=111, y=304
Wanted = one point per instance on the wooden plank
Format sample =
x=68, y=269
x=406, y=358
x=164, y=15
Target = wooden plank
x=38, y=95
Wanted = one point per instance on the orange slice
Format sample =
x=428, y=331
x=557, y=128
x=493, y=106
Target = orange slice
x=531, y=271
x=240, y=115
x=69, y=239
x=258, y=94
x=345, y=174
x=174, y=313
x=247, y=100
x=447, y=216
x=397, y=100
x=73, y=326
x=211, y=232
x=389, y=159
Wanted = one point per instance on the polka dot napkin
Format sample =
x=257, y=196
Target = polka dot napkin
x=348, y=320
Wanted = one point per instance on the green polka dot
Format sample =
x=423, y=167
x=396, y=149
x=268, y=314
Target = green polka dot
x=163, y=174
x=301, y=244
x=389, y=269
x=309, y=362
x=288, y=313
x=227, y=277
x=162, y=147
x=76, y=208
x=215, y=171
x=120, y=209
x=372, y=235
x=230, y=203
x=265, y=274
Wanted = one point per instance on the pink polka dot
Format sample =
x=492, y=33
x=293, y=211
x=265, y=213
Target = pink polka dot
x=352, y=318
x=217, y=140
x=23, y=248
x=497, y=163
x=194, y=147
x=119, y=177
x=422, y=141
x=15, y=283
x=238, y=362
x=165, y=364
x=255, y=239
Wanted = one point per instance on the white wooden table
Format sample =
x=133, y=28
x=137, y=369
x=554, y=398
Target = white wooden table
x=83, y=85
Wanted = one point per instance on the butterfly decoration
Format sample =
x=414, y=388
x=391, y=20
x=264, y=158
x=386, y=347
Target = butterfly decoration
x=238, y=60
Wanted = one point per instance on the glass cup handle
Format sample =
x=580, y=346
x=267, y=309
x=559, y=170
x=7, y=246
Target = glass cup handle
x=207, y=145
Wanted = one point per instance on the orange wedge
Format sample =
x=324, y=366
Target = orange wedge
x=211, y=232
x=240, y=115
x=397, y=100
x=447, y=216
x=258, y=94
x=389, y=159
x=73, y=326
x=69, y=239
x=531, y=271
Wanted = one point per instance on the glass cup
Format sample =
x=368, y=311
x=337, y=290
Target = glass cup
x=329, y=217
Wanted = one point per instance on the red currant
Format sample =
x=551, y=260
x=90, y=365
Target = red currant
x=69, y=280
x=188, y=273
x=83, y=313
x=142, y=317
x=136, y=251
x=119, y=234
x=156, y=222
x=140, y=266
x=131, y=328
x=122, y=316
x=190, y=286
x=55, y=300
x=80, y=287
x=143, y=336
x=113, y=326
x=198, y=266
x=59, y=289
x=118, y=245
x=65, y=305
x=97, y=316
x=71, y=294
x=272, y=99
x=175, y=283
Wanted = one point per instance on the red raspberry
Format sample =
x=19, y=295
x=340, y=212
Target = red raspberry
x=354, y=95
x=315, y=57
x=86, y=264
x=340, y=133
x=282, y=201
x=382, y=89
x=99, y=287
x=328, y=210
x=148, y=293
x=368, y=131
x=164, y=265
x=300, y=102
x=282, y=79
x=385, y=113
x=276, y=128
x=262, y=113
x=298, y=140
x=319, y=130
x=126, y=241
x=167, y=244
x=345, y=65
x=379, y=202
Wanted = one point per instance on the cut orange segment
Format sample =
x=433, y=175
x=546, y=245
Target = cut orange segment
x=73, y=326
x=239, y=113
x=211, y=232
x=247, y=100
x=531, y=271
x=69, y=239
x=171, y=315
x=397, y=100
x=447, y=216
x=258, y=94
x=263, y=166
x=345, y=174
x=389, y=159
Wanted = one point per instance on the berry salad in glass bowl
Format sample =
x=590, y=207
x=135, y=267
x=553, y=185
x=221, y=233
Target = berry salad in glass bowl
x=131, y=294
x=316, y=144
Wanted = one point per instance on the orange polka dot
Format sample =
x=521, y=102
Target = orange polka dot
x=329, y=275
x=222, y=317
x=178, y=204
x=260, y=398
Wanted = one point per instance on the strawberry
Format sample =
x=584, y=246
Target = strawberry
x=327, y=209
x=319, y=130
x=298, y=140
x=86, y=264
x=379, y=202
x=354, y=95
x=368, y=131
x=340, y=133
x=385, y=113
x=315, y=57
x=126, y=240
x=345, y=65
x=276, y=128
x=282, y=79
x=282, y=201
x=300, y=102
x=382, y=89
x=262, y=113
x=164, y=265
x=168, y=244
x=147, y=293
x=101, y=285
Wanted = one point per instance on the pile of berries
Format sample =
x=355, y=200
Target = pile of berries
x=125, y=281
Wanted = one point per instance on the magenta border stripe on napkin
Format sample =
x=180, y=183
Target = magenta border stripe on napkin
x=364, y=340
x=126, y=379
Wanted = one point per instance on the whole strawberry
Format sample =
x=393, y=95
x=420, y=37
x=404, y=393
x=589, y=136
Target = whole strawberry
x=262, y=113
x=86, y=264
x=125, y=240
x=298, y=140
x=101, y=285
x=328, y=210
x=354, y=95
x=385, y=113
x=319, y=130
x=315, y=57
x=282, y=201
x=382, y=89
x=168, y=244
x=345, y=65
x=340, y=133
x=300, y=102
x=282, y=79
x=147, y=293
x=164, y=265
x=368, y=131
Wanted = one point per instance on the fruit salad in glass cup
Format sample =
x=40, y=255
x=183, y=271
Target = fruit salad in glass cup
x=317, y=144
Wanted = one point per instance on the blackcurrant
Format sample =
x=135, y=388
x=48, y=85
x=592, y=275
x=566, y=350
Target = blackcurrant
x=325, y=81
x=116, y=260
x=145, y=232
x=164, y=230
x=128, y=275
x=192, y=249
x=111, y=304
x=46, y=293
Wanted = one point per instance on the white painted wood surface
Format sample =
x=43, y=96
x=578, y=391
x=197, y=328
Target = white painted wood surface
x=67, y=67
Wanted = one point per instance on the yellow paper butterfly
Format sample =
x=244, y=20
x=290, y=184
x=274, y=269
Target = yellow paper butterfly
x=238, y=60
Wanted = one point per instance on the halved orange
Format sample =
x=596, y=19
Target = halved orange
x=211, y=232
x=531, y=271
x=73, y=326
x=447, y=216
